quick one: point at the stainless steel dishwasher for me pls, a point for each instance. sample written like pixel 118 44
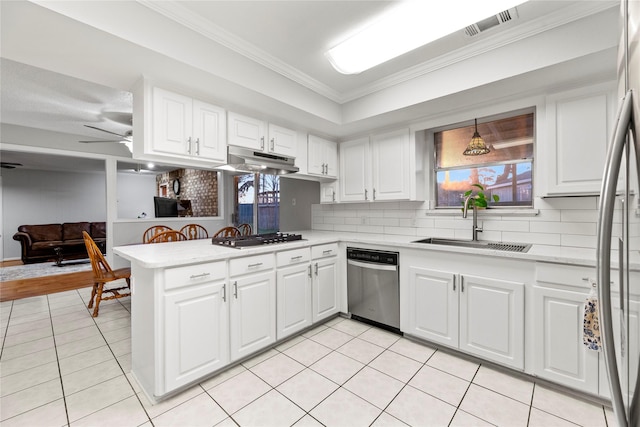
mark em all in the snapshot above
pixel 373 287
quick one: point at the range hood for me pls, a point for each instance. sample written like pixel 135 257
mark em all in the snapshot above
pixel 241 159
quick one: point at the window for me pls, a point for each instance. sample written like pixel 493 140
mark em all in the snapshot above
pixel 507 170
pixel 259 208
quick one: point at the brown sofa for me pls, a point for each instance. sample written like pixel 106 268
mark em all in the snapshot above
pixel 58 241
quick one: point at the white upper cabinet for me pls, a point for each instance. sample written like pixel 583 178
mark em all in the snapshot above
pixel 261 136
pixel 391 161
pixel 322 157
pixel 183 127
pixel 355 170
pixel 380 168
pixel 579 125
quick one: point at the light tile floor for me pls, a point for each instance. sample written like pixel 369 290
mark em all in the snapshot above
pixel 61 367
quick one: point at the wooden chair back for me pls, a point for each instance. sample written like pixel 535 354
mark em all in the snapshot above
pixel 228 232
pixel 103 274
pixel 152 231
pixel 245 229
pixel 194 231
pixel 168 236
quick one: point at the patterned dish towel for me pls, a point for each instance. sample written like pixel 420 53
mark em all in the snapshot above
pixel 591 325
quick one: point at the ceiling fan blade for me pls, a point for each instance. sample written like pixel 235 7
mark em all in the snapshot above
pixel 9 165
pixel 108 140
pixel 107 131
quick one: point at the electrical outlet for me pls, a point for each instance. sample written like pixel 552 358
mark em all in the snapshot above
pixel 293 201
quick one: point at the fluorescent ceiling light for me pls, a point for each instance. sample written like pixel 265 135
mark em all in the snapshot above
pixel 412 24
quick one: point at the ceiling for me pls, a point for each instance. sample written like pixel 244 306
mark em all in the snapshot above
pixel 286 38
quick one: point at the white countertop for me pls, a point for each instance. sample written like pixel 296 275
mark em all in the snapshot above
pixel 162 255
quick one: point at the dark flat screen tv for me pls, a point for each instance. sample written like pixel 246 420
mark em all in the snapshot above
pixel 165 207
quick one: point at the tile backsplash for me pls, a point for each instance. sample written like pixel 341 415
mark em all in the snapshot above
pixel 564 221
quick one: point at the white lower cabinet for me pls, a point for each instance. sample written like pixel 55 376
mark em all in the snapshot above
pixel 190 354
pixel 193 299
pixel 325 281
pixel 492 319
pixel 478 315
pixel 560 355
pixel 433 305
pixel 253 305
pixel 558 313
pixel 293 282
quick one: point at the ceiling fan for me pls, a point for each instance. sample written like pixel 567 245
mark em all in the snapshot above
pixel 9 165
pixel 126 137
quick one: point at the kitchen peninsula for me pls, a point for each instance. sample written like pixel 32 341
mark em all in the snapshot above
pixel 198 308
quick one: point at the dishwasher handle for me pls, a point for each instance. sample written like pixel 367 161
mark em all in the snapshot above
pixel 372 266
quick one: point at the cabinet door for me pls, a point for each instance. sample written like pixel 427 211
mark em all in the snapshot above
pixel 246 132
pixel 293 299
pixel 209 132
pixel 253 313
pixel 577 119
pixel 433 306
pixel 492 319
pixel 322 157
pixel 355 170
pixel 331 159
pixel 560 355
pixel 325 288
pixel 172 122
pixel 196 340
pixel 391 165
pixel 283 141
pixel 328 192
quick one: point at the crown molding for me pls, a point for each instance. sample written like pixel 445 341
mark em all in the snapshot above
pixel 178 13
pixel 173 10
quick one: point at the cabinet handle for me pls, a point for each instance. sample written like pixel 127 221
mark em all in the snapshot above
pixel 461 283
pixel 365 194
pixel 374 194
pixel 262 143
pixel 273 144
pixel 295 258
pixel 224 292
pixel 235 289
pixel 316 268
pixel 454 283
pixel 327 252
pixel 189 147
pixel 197 146
pixel 333 196
pixel 257 264
pixel 310 275
pixel 198 276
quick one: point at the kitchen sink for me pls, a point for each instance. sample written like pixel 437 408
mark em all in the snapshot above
pixel 479 244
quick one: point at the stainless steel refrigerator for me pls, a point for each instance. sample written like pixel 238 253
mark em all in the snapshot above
pixel 618 240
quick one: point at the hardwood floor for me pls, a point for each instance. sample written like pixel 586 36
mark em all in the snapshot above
pixel 25 288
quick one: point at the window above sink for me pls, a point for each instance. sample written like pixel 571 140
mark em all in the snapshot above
pixel 506 171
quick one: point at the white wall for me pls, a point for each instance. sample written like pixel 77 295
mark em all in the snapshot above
pixel 135 195
pixel 44 197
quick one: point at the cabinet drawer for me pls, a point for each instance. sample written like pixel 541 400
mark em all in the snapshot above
pixel 251 264
pixel 295 256
pixel 193 274
pixel 322 251
pixel 570 275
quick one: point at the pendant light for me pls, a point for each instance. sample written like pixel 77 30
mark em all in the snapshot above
pixel 476 146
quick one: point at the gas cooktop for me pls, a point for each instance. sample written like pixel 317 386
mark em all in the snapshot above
pixel 256 240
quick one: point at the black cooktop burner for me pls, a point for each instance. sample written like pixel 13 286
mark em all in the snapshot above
pixel 256 239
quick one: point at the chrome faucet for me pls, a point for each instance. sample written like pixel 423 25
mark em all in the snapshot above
pixel 475 230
